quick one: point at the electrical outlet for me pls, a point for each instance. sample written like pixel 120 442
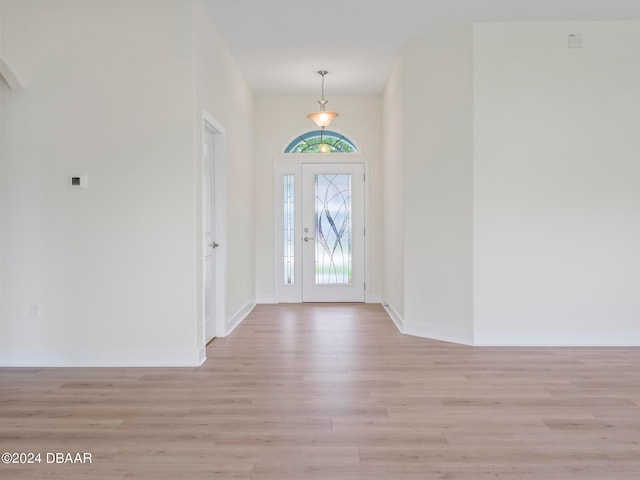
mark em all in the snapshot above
pixel 35 310
pixel 575 40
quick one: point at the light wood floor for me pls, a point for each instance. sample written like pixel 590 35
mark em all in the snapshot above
pixel 335 392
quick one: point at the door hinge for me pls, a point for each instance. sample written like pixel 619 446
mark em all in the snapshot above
pixel 364 232
pixel 364 177
pixel 365 285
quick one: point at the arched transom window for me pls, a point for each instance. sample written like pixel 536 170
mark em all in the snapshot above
pixel 321 141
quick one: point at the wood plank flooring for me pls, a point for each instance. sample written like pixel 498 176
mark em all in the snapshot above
pixel 335 392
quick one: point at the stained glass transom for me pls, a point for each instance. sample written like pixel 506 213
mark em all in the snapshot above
pixel 319 141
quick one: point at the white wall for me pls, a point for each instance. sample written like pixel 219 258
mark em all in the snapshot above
pixel 278 119
pixel 521 206
pixel 3 85
pixel 393 204
pixel 109 92
pixel 222 91
pixel 557 203
pixel 438 170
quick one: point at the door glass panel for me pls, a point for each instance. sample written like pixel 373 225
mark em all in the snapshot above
pixel 288 234
pixel 333 229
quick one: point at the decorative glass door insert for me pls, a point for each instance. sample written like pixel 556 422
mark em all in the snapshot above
pixel 332 232
pixel 288 229
pixel 333 229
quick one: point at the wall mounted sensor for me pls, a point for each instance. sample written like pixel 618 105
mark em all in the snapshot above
pixel 78 181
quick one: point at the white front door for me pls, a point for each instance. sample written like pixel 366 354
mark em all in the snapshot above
pixel 209 240
pixel 332 237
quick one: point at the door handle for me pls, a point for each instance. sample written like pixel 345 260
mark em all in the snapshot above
pixel 215 245
pixel 306 239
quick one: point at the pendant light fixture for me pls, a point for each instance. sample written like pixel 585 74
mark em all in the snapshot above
pixel 322 118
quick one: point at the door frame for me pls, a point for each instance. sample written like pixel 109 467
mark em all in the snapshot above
pixel 220 222
pixel 291 163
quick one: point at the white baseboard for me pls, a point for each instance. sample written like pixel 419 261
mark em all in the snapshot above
pixel 395 316
pixel 437 332
pixel 265 299
pixel 202 354
pixel 237 319
pixel 101 358
pixel 372 298
pixel 557 339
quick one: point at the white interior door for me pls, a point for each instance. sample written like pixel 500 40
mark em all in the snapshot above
pixel 333 232
pixel 209 241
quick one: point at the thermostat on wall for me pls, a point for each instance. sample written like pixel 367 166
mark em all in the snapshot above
pixel 78 181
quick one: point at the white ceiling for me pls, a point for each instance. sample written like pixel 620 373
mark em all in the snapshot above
pixel 280 44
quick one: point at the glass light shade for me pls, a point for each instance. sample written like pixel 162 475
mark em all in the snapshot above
pixel 322 119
